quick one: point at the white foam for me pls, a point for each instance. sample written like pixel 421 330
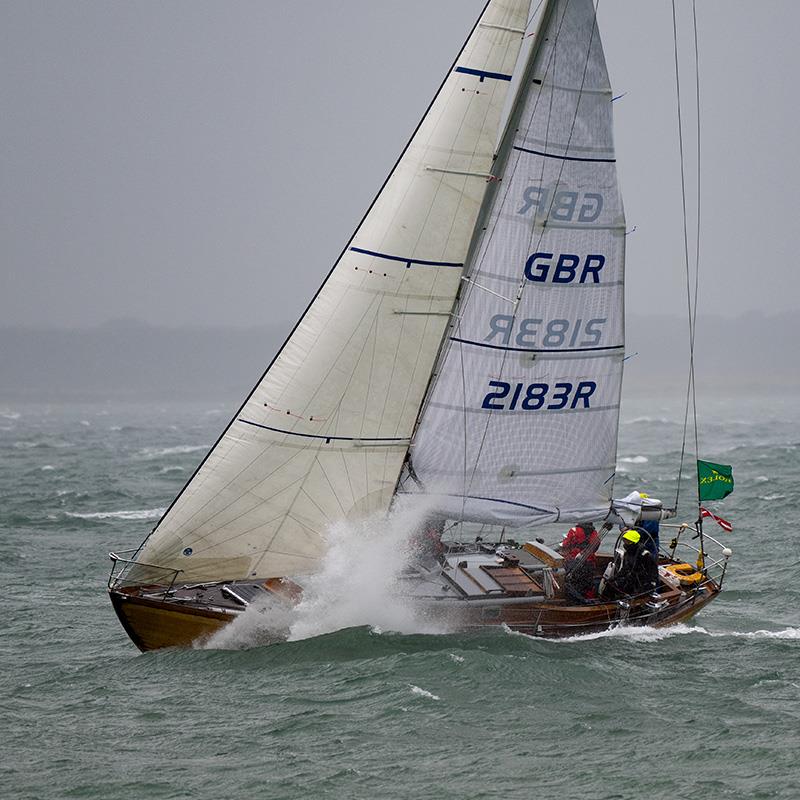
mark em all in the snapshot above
pixel 47 468
pixel 5 414
pixel 760 479
pixel 786 633
pixel 635 633
pixel 357 585
pixel 423 693
pixel 770 497
pixel 358 581
pixel 158 452
pixel 151 513
pixel 634 460
pixel 629 632
pixel 645 634
pixel 265 621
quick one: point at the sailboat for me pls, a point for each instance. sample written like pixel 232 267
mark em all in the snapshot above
pixel 465 350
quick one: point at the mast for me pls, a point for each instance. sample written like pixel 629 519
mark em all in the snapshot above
pixel 323 434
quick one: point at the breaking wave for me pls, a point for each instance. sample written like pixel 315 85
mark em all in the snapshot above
pixel 150 513
pixel 786 633
pixel 359 580
pixel 636 633
pixel 264 622
pixel 159 452
pixel 357 585
pixel 423 692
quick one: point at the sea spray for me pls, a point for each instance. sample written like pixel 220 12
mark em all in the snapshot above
pixel 358 584
pixel 266 621
pixel 359 580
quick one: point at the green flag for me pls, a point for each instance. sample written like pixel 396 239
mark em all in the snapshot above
pixel 714 481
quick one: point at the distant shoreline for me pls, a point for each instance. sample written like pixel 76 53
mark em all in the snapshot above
pixel 132 361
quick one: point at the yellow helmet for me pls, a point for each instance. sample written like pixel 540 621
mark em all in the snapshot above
pixel 632 536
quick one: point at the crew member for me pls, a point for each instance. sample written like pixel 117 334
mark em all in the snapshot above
pixel 581 538
pixel 578 548
pixel 634 570
pixel 427 544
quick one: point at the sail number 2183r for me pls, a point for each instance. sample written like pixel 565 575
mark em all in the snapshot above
pixel 536 396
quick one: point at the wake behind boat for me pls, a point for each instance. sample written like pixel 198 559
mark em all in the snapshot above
pixel 465 350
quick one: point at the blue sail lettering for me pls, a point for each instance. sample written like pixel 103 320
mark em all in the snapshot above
pixel 581 207
pixel 538 396
pixel 567 268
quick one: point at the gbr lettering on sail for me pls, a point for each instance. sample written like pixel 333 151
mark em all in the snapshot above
pixel 554 268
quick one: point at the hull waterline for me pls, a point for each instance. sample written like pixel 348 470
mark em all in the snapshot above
pixel 153 623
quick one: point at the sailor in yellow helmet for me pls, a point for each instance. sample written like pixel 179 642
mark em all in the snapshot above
pixel 634 570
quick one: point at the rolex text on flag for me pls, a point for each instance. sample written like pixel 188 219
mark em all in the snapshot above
pixel 714 481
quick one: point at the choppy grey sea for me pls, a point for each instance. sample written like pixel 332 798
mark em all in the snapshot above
pixel 707 709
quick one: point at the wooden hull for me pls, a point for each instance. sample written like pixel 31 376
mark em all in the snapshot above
pixel 559 620
pixel 155 623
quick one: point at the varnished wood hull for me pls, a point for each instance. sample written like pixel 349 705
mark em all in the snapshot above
pixel 153 624
pixel 559 620
pixel 156 623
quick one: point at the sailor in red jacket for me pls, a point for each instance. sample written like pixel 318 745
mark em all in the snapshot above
pixel 578 539
pixel 578 548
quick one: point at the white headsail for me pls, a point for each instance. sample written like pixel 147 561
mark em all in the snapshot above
pixel 520 426
pixel 325 432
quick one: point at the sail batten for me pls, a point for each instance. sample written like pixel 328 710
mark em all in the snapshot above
pixel 324 433
pixel 525 402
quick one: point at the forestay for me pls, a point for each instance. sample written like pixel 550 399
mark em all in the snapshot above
pixel 520 426
pixel 324 433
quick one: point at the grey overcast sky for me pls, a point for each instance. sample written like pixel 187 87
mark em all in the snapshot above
pixel 195 162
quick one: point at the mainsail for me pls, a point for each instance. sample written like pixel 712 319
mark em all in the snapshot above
pixel 324 433
pixel 520 425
